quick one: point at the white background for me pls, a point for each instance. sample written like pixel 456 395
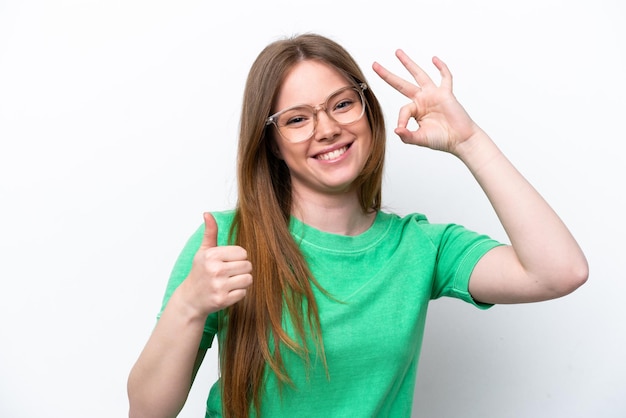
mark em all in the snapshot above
pixel 118 124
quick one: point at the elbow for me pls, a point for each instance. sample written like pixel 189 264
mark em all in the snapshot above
pixel 144 403
pixel 140 405
pixel 571 278
pixel 135 411
pixel 580 275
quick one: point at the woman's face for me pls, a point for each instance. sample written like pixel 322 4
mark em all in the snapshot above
pixel 330 161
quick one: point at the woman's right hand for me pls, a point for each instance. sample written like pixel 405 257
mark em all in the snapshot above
pixel 219 276
pixel 159 383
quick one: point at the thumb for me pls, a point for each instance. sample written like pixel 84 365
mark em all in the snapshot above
pixel 210 232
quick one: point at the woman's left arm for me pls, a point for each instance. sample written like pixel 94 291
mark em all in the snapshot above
pixel 544 261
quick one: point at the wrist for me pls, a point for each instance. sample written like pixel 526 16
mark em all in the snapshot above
pixel 477 151
pixel 183 304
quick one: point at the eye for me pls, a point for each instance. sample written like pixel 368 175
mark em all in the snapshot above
pixel 295 118
pixel 344 104
pixel 344 101
pixel 295 121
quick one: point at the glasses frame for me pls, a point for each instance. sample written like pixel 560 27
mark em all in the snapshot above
pixel 273 119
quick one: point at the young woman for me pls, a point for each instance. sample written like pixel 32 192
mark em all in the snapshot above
pixel 317 297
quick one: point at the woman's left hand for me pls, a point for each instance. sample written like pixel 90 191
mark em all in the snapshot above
pixel 443 123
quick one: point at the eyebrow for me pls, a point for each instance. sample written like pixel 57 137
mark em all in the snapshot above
pixel 317 104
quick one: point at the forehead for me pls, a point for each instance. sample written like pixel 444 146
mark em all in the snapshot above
pixel 309 82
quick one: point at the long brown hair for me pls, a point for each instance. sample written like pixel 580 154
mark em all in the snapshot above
pixel 254 332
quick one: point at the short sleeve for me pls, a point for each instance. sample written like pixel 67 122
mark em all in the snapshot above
pixel 459 251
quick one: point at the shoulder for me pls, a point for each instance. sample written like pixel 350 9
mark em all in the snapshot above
pixel 224 217
pixel 408 222
pixel 417 225
pixel 224 220
pixel 388 216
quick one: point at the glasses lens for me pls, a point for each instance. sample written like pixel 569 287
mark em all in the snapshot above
pixel 297 124
pixel 345 106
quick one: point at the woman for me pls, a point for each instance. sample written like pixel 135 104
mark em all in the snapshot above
pixel 318 297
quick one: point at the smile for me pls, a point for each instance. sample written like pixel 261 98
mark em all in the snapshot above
pixel 332 155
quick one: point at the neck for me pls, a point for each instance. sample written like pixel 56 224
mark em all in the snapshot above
pixel 336 214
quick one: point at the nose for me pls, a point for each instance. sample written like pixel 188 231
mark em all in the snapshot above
pixel 326 128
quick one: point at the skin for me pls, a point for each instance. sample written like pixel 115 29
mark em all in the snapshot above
pixel 160 380
pixel 323 192
pixel 543 261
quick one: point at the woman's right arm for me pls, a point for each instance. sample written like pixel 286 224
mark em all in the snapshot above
pixel 159 382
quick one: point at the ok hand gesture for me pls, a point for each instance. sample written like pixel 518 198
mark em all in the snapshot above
pixel 443 123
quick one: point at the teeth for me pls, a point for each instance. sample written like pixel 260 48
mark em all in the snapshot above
pixel 332 155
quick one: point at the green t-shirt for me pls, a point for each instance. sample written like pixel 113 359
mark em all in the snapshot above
pixel 383 280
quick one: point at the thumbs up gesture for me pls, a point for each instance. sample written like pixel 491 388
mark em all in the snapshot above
pixel 219 276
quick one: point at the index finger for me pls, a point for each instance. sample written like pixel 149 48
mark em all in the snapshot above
pixel 398 83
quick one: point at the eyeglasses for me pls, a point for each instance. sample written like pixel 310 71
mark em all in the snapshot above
pixel 298 123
